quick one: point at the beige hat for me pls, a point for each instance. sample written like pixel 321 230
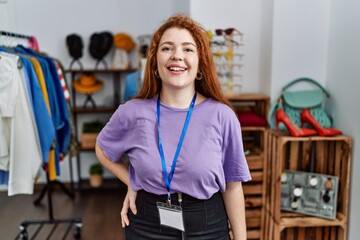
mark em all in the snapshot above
pixel 124 41
pixel 87 84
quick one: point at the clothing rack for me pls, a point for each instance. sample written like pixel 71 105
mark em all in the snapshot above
pixel 14 35
pixel 48 188
pixel 24 235
pixel 11 36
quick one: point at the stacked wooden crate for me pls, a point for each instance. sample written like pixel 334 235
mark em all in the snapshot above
pixel 323 155
pixel 254 140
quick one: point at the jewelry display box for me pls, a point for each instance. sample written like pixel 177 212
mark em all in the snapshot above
pixel 309 193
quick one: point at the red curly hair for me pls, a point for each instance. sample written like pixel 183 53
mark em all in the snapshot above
pixel 208 86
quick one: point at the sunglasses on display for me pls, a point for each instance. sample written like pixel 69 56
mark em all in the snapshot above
pixel 223 43
pixel 218 43
pixel 228 31
pixel 229 65
pixel 228 75
pixel 221 67
pixel 230 84
pixel 228 54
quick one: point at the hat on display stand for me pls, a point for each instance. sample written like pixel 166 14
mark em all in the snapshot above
pixel 88 84
pixel 75 46
pixel 124 44
pixel 100 45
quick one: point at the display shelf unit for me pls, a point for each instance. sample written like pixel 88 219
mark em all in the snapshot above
pixel 255 140
pixel 116 75
pixel 227 51
pixel 322 155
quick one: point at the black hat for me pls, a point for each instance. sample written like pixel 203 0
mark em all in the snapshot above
pixel 75 45
pixel 100 44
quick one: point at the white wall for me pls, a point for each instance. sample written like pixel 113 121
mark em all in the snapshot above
pixel 52 21
pixel 266 36
pixel 182 6
pixel 299 41
pixel 343 81
pixel 7 15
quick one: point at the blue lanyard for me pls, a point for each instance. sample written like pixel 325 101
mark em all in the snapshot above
pixel 169 177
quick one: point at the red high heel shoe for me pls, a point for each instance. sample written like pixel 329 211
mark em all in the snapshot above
pixel 306 116
pixel 294 130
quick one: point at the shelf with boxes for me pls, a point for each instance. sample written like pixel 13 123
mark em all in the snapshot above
pixel 252 109
pixel 84 110
pixel 323 156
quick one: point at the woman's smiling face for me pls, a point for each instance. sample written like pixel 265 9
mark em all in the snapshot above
pixel 177 59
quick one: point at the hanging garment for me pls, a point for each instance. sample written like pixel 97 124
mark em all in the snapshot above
pixel 24 156
pixel 132 85
pixel 4 177
pixel 73 145
pixel 51 163
pixel 42 83
pixel 45 128
pixel 64 126
pixel 43 92
pixel 62 82
pixel 60 113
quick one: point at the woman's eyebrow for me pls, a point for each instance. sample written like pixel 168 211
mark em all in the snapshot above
pixel 188 43
pixel 168 42
pixel 172 43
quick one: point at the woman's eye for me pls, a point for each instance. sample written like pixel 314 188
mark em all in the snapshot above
pixel 165 49
pixel 189 50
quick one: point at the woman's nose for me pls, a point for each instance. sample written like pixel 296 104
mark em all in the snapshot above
pixel 177 55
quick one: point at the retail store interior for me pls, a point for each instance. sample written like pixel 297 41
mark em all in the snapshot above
pixel 270 43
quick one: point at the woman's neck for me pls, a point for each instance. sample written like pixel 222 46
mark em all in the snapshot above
pixel 180 100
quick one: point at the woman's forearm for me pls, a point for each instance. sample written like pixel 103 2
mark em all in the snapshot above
pixel 120 170
pixel 235 208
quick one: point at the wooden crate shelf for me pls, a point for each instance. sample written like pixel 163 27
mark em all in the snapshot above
pixel 257 176
pixel 322 155
pixel 302 221
pixel 254 138
pixel 252 189
pixel 255 162
pixel 253 222
pixel 252 202
pixel 253 234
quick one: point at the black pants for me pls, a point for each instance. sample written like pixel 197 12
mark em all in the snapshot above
pixel 203 219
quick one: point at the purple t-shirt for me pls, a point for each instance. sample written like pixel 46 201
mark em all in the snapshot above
pixel 211 155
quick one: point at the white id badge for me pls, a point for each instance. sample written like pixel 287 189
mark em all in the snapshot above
pixel 171 216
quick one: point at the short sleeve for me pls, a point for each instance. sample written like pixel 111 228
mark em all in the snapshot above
pixel 234 161
pixel 117 135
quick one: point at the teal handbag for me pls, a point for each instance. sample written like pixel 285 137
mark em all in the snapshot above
pixel 293 102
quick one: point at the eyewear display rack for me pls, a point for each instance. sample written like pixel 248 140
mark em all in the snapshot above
pixel 79 109
pixel 322 155
pixel 227 53
pixel 13 39
pixel 254 139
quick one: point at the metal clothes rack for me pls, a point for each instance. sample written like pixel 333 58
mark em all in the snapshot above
pixel 15 35
pixel 23 234
pixel 11 36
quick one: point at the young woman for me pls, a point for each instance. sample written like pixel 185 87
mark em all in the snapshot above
pixel 183 140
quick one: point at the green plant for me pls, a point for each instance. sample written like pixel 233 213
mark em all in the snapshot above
pixel 96 168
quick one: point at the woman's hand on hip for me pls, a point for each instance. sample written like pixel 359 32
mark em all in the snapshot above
pixel 129 202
